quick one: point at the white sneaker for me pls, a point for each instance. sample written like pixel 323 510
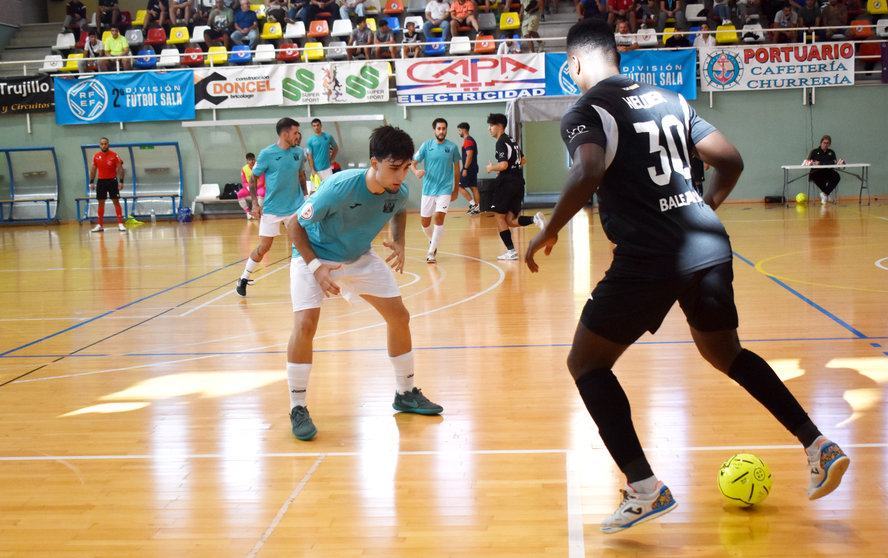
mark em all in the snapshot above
pixel 539 220
pixel 827 466
pixel 250 216
pixel 824 199
pixel 97 228
pixel 637 508
pixel 430 257
pixel 509 255
pixel 121 227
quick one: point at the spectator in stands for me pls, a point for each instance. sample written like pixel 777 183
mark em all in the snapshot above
pixel 705 38
pixel 360 40
pixel 384 39
pixel 92 49
pixel 531 11
pixel 109 168
pixel 749 10
pixel 462 14
pixel 243 195
pixel 315 7
pixel 117 46
pixel 855 10
pixel 720 13
pixel 787 21
pixel 809 14
pixel 220 23
pixel 677 40
pixel 182 12
pixel 437 13
pixel 348 7
pixel 825 179
pixel 246 26
pixel 75 18
pixel 647 12
pixel 833 15
pixel 411 48
pixel 671 9
pixel 275 11
pixel 508 46
pixel 107 13
pixel 322 150
pixel 624 37
pixel 622 9
pixel 296 7
pixel 157 11
pixel 591 8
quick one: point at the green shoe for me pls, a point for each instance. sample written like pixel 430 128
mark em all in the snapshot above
pixel 303 427
pixel 415 402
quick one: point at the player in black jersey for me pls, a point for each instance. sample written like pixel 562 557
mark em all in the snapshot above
pixel 629 143
pixel 508 189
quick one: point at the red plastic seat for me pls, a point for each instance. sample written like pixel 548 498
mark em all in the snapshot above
pixel 289 52
pixel 156 36
pixel 193 57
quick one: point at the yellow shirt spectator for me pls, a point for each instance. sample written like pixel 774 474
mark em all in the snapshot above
pixel 116 46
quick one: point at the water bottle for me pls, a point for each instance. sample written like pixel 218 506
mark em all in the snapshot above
pixel 153 217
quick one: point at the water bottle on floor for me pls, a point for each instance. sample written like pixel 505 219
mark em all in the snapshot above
pixel 153 217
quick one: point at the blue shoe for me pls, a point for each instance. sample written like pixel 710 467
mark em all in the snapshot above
pixel 415 402
pixel 303 427
pixel 637 508
pixel 827 467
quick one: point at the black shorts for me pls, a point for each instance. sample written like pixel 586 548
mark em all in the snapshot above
pixel 216 34
pixel 470 180
pixel 107 188
pixel 508 194
pixel 623 307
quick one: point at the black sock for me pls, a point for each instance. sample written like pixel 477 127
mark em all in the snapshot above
pixel 607 403
pixel 759 379
pixel 524 220
pixel 506 236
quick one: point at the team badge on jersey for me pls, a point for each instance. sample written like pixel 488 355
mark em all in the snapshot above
pixel 307 211
pixel 388 207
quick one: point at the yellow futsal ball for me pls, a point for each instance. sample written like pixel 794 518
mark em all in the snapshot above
pixel 801 197
pixel 744 479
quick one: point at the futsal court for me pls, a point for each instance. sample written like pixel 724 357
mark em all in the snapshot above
pixel 144 404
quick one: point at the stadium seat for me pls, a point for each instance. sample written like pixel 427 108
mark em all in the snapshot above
pixel 877 7
pixel 259 9
pixel 134 37
pixel 882 27
pixel 726 35
pixel 125 20
pixel 52 63
pixel 486 22
pixel 240 54
pixel 179 36
pixel 140 18
pixel 692 13
pixel 145 59
pixel 371 7
pixel 169 57
pixel 485 44
pixel 105 36
pixel 336 50
pixel 394 24
pixel 752 33
pixel 436 47
pixel 72 63
pixel 64 41
pixel 318 29
pixel 460 45
pixel 417 22
pixel 156 36
pixel 371 24
pixel 509 21
pixel 193 57
pixel 393 7
pixel 198 35
pixel 294 30
pixel 207 193
pixel 341 28
pixel 416 6
pixel 313 51
pixel 216 56
pixel 289 52
pixel 271 31
pixel 264 54
pixel 667 33
pixel 81 42
pixel 870 52
pixel 646 38
pixel 860 29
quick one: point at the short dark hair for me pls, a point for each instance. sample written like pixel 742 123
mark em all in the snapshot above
pixel 285 123
pixel 497 118
pixel 92 33
pixel 250 156
pixel 592 33
pixel 318 120
pixel 389 142
pixel 435 122
pixel 463 125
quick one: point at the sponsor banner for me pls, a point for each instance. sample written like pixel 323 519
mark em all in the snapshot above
pixel 675 70
pixel 255 86
pixel 132 97
pixel 335 82
pixel 20 95
pixel 558 80
pixel 470 79
pixel 753 68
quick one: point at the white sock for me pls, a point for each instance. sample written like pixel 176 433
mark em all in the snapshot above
pixel 297 381
pixel 645 486
pixel 403 365
pixel 436 237
pixel 428 231
pixel 814 448
pixel 249 268
pixel 243 203
pixel 261 201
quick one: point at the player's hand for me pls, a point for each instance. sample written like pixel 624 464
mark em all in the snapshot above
pixel 541 240
pixel 256 211
pixel 488 166
pixel 454 195
pixel 92 185
pixel 396 258
pixel 325 280
pixel 420 173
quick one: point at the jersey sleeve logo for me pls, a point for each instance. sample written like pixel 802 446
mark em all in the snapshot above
pixel 574 132
pixel 307 212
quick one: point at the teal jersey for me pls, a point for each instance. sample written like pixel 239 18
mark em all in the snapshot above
pixel 319 146
pixel 283 193
pixel 438 163
pixel 342 217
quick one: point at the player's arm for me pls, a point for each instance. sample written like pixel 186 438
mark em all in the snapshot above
pixel 92 176
pixel 498 167
pixel 256 211
pixel 582 181
pixel 311 163
pixel 399 229
pixel 302 184
pixel 470 156
pixel 455 193
pixel 333 154
pixel 299 238
pixel 726 163
pixel 414 168
pixel 121 174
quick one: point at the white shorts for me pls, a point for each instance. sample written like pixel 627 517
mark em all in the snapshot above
pixel 270 225
pixel 368 275
pixel 326 173
pixel 434 204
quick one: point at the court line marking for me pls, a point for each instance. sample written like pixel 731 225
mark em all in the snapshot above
pixel 576 545
pixel 228 293
pixel 760 267
pixel 281 512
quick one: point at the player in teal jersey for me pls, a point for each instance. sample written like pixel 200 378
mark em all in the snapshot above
pixel 322 150
pixel 440 183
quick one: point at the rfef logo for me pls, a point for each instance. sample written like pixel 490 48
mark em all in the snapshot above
pixel 88 99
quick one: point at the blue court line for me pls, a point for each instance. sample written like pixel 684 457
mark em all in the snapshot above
pixel 810 302
pixel 67 329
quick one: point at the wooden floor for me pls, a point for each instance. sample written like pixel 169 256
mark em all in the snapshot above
pixel 143 406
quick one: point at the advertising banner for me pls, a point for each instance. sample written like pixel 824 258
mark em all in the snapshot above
pixel 335 82
pixel 762 67
pixel 235 87
pixel 675 70
pixel 470 79
pixel 558 80
pixel 21 95
pixel 130 97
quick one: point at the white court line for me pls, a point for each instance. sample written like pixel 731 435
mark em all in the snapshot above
pixel 881 263
pixel 228 293
pixel 576 546
pixel 280 514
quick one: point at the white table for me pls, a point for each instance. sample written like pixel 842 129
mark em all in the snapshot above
pixel 844 168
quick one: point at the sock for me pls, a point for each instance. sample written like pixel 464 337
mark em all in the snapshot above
pixel 297 381
pixel 607 403
pixel 436 237
pixel 524 220
pixel 760 381
pixel 261 200
pixel 645 486
pixel 119 211
pixel 427 231
pixel 243 203
pixel 814 448
pixel 249 268
pixel 100 213
pixel 506 237
pixel 403 366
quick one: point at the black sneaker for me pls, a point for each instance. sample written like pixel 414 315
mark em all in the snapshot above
pixel 241 287
pixel 303 427
pixel 415 402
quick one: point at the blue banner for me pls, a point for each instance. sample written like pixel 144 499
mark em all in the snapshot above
pixel 675 70
pixel 558 80
pixel 133 97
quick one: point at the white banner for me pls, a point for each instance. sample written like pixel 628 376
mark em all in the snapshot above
pixel 234 87
pixel 335 82
pixel 470 79
pixel 751 68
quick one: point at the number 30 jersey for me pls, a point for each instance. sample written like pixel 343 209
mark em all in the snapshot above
pixel 647 204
